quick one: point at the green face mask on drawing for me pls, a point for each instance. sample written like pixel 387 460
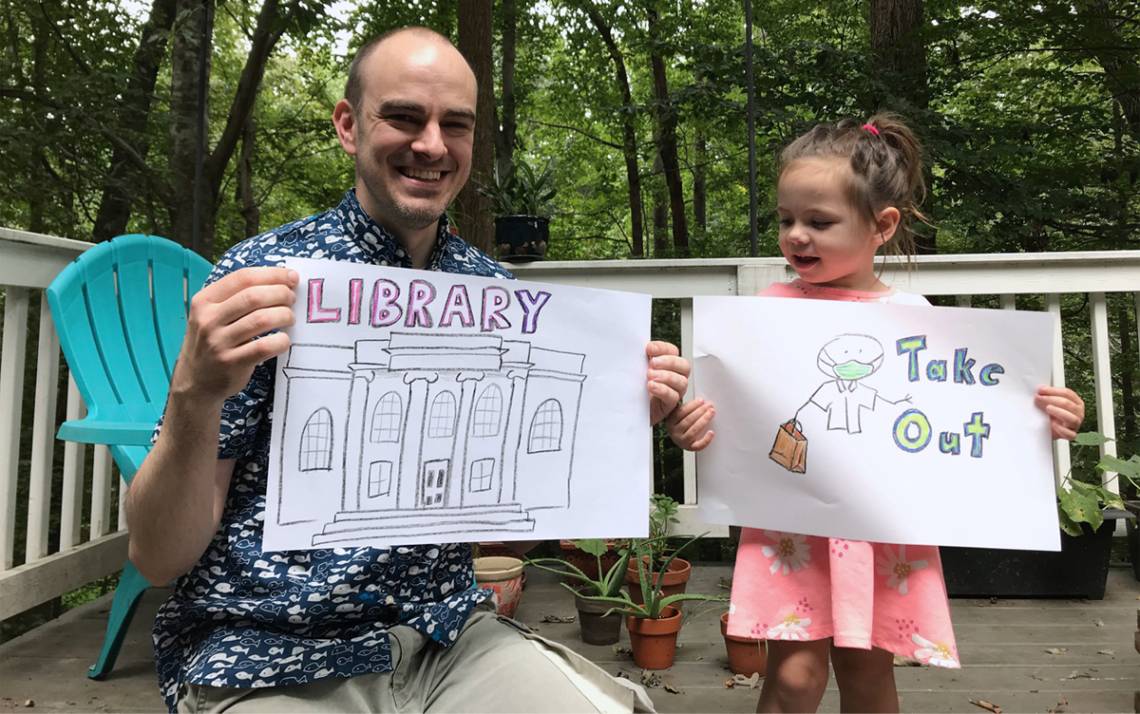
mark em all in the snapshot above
pixel 852 370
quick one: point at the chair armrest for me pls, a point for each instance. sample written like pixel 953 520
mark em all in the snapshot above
pixel 118 433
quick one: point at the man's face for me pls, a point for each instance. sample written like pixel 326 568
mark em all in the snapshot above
pixel 412 133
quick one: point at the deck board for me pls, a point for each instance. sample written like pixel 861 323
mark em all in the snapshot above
pixel 1024 655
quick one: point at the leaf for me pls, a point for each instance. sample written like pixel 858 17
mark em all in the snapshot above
pixel 1115 464
pixel 1068 525
pixel 1082 506
pixel 1056 650
pixel 594 546
pixel 1090 438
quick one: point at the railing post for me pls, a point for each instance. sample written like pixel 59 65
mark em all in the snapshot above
pixel 11 405
pixel 1062 460
pixel 1102 379
pixel 74 458
pixel 43 437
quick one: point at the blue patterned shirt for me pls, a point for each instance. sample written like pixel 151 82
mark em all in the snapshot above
pixel 243 618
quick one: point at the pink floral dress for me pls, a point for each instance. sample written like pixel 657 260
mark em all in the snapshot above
pixel 788 586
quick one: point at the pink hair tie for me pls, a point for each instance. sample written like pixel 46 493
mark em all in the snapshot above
pixel 871 128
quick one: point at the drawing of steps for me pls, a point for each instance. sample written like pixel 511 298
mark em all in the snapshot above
pixel 354 526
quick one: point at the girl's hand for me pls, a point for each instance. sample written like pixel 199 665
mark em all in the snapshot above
pixel 689 424
pixel 1065 408
pixel 667 379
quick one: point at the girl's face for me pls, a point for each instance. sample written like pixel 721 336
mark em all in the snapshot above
pixel 822 235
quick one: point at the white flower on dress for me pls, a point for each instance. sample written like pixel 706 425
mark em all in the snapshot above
pixel 791 552
pixel 931 653
pixel 897 568
pixel 792 627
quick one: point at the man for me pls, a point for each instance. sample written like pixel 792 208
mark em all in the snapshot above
pixel 362 629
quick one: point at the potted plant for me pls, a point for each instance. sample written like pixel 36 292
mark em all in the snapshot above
pixel 503 575
pixel 598 625
pixel 746 655
pixel 521 200
pixel 1087 512
pixel 655 621
pixel 662 515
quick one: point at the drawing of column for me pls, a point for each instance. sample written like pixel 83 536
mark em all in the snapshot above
pixel 513 438
pixel 457 487
pixel 354 438
pixel 408 496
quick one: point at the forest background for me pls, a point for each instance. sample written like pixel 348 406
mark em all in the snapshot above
pixel 1029 111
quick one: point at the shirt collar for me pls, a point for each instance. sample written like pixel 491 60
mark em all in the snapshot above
pixel 378 242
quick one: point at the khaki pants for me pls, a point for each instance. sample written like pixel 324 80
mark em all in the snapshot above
pixel 496 665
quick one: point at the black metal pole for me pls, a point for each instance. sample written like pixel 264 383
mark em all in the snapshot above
pixel 750 112
pixel 200 150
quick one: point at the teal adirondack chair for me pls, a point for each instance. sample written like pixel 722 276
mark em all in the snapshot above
pixel 120 310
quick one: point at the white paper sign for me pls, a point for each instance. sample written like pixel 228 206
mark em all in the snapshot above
pixel 426 407
pixel 887 423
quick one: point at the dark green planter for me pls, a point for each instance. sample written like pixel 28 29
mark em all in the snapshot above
pixel 521 239
pixel 1079 570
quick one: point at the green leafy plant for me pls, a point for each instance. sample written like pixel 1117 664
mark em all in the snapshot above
pixel 521 190
pixel 1083 501
pixel 607 585
pixel 654 601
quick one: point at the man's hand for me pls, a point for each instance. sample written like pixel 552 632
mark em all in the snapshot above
pixel 668 379
pixel 219 351
pixel 689 425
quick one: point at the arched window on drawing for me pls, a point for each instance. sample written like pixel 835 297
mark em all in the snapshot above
pixel 441 422
pixel 546 428
pixel 317 442
pixel 488 412
pixel 386 418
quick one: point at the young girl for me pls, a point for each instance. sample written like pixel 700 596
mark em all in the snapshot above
pixel 845 191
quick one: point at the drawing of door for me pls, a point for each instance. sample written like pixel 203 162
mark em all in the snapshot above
pixel 433 482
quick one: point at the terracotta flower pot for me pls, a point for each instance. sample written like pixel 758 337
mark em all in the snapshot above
pixel 745 655
pixel 503 575
pixel 654 642
pixel 676 578
pixel 597 627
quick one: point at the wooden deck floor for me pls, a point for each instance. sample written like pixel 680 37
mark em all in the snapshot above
pixel 1023 655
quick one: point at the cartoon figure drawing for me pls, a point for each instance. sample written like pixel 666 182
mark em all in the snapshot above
pixel 846 359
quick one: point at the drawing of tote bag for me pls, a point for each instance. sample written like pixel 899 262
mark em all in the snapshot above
pixel 790 447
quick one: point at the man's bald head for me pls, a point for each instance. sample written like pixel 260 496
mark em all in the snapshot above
pixel 353 88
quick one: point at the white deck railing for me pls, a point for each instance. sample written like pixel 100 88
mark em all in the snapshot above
pixel 28 263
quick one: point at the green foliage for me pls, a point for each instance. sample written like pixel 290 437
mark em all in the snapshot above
pixel 521 190
pixel 608 585
pixel 662 515
pixel 654 601
pixel 1083 501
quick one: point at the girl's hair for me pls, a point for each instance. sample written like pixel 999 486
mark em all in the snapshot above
pixel 886 168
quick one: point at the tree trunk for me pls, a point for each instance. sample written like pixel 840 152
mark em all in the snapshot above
pixel 628 129
pixel 700 189
pixel 898 55
pixel 191 30
pixel 475 40
pixel 505 136
pixel 667 140
pixel 271 24
pixel 660 211
pixel 1121 70
pixel 250 211
pixel 121 183
pixel 37 117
